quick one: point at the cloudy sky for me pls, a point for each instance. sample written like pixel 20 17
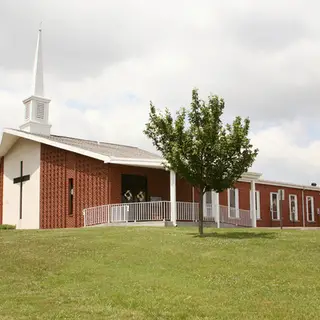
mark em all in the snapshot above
pixel 105 60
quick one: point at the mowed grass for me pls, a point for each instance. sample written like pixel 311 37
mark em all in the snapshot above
pixel 159 273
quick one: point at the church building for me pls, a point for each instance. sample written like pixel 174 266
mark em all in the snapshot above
pixel 52 181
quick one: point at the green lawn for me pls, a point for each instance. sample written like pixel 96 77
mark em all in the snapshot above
pixel 159 273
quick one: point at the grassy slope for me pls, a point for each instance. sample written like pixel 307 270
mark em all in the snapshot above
pixel 159 273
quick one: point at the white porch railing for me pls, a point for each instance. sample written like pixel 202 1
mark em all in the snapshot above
pixel 187 211
pixel 161 211
pixel 96 215
pixel 127 212
pixel 139 211
pixel 209 213
pixel 235 217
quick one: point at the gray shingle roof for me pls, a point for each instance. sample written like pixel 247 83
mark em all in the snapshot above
pixel 103 148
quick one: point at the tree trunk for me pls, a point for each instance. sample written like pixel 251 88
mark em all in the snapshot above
pixel 201 214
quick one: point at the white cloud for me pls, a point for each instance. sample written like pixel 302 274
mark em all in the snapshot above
pixel 286 154
pixel 105 62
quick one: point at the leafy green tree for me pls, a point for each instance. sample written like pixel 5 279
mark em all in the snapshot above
pixel 198 147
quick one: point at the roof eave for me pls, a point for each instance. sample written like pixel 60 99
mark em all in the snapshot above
pixel 149 163
pixel 288 185
pixel 7 141
pixel 250 176
pixel 49 142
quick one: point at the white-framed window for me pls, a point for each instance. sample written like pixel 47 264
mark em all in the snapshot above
pixel 257 194
pixel 274 206
pixel 293 207
pixel 208 196
pixel 310 208
pixel 233 203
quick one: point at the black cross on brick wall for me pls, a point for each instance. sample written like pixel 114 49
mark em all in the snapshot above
pixel 20 180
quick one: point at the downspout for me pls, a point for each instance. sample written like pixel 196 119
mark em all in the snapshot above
pixel 193 203
pixel 108 191
pixel 303 217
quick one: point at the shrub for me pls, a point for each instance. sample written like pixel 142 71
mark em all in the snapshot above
pixel 7 227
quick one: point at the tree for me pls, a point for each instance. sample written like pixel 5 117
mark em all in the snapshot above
pixel 199 148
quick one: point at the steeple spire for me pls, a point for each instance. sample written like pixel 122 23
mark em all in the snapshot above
pixel 37 89
pixel 37 106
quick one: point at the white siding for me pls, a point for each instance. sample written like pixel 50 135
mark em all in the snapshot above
pixel 29 152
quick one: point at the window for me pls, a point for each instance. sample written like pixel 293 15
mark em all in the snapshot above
pixel 70 188
pixel 40 111
pixel 310 209
pixel 27 111
pixel 258 215
pixel 274 206
pixel 293 207
pixel 208 197
pixel 233 203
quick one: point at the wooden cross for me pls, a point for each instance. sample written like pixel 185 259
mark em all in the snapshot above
pixel 20 180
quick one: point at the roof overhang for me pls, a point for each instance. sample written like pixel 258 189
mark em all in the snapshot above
pixel 148 163
pixel 10 136
pixel 7 141
pixel 280 184
pixel 250 176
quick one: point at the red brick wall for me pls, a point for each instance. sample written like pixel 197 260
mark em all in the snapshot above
pixel 266 220
pixel 95 183
pixel 265 190
pixel 158 183
pixel 316 198
pixel 90 186
pixel 244 195
pixel 1 189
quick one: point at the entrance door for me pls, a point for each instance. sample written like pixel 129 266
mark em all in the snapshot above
pixel 134 189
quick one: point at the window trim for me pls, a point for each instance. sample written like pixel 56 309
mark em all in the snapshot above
pixel 70 196
pixel 296 218
pixel 278 206
pixel 313 213
pixel 236 200
pixel 258 207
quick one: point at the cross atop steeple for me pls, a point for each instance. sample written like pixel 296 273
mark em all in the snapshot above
pixel 37 106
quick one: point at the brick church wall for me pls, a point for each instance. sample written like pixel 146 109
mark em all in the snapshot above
pixel 244 195
pixel 90 179
pixel 265 190
pixel 95 183
pixel 1 189
pixel 266 220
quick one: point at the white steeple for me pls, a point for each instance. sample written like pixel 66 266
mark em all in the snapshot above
pixel 37 88
pixel 37 106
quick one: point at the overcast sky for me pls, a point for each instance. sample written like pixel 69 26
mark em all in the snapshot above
pixel 105 60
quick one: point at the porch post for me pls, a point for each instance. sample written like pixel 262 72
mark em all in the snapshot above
pixel 204 204
pixel 253 204
pixel 215 206
pixel 173 199
pixel 213 202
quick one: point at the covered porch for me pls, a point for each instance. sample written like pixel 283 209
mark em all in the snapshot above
pixel 136 207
